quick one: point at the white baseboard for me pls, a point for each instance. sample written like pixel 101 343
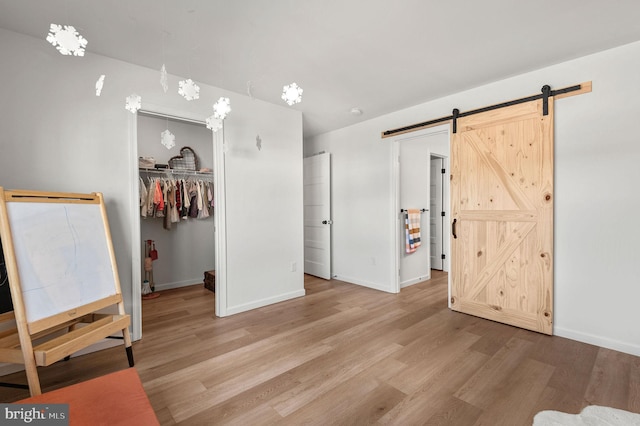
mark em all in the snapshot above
pixel 231 310
pixel 601 341
pixel 413 281
pixel 363 283
pixel 178 284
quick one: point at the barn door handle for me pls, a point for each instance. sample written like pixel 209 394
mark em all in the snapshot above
pixel 453 228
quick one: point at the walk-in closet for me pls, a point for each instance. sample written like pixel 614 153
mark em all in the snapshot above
pixel 177 203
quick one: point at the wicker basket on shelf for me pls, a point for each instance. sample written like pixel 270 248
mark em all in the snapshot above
pixel 187 160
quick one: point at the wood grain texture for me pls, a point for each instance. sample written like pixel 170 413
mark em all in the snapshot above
pixel 348 355
pixel 502 200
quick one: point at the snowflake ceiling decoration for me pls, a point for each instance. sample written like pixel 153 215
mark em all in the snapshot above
pixel 292 94
pixel 99 85
pixel 164 80
pixel 67 40
pixel 259 142
pixel 214 124
pixel 167 139
pixel 221 108
pixel 188 89
pixel 134 103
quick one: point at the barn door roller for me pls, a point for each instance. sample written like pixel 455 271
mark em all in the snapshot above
pixel 546 92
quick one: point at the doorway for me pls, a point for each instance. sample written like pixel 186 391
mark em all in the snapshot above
pixel 185 127
pixel 182 233
pixel 412 171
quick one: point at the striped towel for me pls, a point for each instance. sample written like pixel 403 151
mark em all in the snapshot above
pixel 412 229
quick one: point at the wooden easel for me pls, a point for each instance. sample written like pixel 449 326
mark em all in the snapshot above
pixel 62 276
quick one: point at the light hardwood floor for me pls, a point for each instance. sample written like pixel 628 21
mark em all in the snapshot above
pixel 347 355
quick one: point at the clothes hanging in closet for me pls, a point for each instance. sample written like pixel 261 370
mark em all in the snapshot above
pixel 175 200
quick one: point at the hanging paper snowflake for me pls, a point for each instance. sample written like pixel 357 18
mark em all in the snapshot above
pixel 99 85
pixel 67 40
pixel 188 89
pixel 134 103
pixel 292 94
pixel 214 124
pixel 250 89
pixel 259 142
pixel 167 139
pixel 163 79
pixel 221 108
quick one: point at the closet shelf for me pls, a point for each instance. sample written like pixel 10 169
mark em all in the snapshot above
pixel 165 172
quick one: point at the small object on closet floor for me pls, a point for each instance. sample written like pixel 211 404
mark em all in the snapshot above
pixel 151 296
pixel 148 286
pixel 210 280
pixel 161 166
pixel 147 293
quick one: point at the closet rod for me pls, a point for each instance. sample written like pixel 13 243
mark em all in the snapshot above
pixel 176 172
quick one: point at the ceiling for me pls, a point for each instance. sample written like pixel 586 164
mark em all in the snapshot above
pixel 377 55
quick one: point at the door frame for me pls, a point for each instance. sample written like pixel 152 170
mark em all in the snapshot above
pixel 446 207
pixel 134 213
pixel 395 197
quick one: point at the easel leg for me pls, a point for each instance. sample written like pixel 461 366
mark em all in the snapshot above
pixel 32 375
pixel 130 355
pixel 127 344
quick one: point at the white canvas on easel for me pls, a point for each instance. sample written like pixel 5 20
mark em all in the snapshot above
pixel 62 254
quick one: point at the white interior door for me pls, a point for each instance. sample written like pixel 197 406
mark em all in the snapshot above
pixel 436 217
pixel 317 215
pixel 414 159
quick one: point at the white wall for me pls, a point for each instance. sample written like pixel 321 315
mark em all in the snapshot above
pixel 264 207
pixel 58 136
pixel 596 192
pixel 186 250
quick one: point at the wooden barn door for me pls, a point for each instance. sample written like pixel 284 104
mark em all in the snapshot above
pixel 502 213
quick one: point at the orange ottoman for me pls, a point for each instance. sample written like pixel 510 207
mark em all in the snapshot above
pixel 115 399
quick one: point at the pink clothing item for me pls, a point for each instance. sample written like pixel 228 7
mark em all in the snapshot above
pixel 158 197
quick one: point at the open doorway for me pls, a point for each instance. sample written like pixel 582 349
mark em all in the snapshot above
pixel 177 229
pixel 188 246
pixel 413 154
